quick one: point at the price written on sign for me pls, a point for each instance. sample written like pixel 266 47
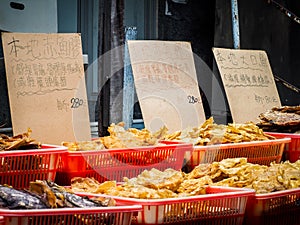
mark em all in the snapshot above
pixel 74 103
pixel 193 99
pixel 166 84
pixel 248 82
pixel 265 99
pixel 46 79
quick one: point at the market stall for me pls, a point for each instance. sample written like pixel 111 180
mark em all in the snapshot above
pixel 182 168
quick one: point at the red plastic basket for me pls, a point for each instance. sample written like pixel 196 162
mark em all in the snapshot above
pixel 221 205
pixel 277 208
pixel 115 164
pixel 260 152
pixel 19 167
pixel 2 221
pixel 116 215
pixel 292 149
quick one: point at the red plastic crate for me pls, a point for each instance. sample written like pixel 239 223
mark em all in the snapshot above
pixel 116 215
pixel 277 208
pixel 115 164
pixel 19 167
pixel 260 152
pixel 221 205
pixel 292 149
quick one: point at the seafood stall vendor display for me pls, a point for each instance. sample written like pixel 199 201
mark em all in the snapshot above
pixel 215 142
pixel 176 196
pixel 19 142
pixel 284 119
pixel 44 194
pixel 283 122
pixel 168 197
pixel 23 159
pixel 48 203
pixel 122 153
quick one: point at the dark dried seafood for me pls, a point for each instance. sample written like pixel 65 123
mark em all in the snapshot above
pixel 44 194
pixel 280 119
pixel 57 196
pixel 19 199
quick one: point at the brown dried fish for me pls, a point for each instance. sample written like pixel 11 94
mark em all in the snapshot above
pixel 18 142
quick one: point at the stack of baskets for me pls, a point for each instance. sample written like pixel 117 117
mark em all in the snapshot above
pixel 221 205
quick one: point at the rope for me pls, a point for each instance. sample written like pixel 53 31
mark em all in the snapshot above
pixel 285 11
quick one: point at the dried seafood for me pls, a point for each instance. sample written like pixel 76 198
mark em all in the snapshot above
pixel 210 133
pixel 237 172
pixel 119 138
pixel 44 194
pixel 18 142
pixel 281 119
pixel 232 172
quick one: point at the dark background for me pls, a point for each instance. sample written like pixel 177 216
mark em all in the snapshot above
pixel 208 24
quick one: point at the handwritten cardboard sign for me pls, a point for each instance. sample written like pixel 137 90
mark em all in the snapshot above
pixel 46 86
pixel 166 84
pixel 248 82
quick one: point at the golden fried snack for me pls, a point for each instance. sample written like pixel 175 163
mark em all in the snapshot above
pixel 153 184
pixel 201 170
pixel 110 142
pixel 91 185
pixel 231 172
pixel 119 138
pixel 169 179
pixel 129 190
pixel 141 192
pixel 210 133
pixel 237 172
pixel 18 142
pixel 191 187
pixel 84 145
pixel 131 137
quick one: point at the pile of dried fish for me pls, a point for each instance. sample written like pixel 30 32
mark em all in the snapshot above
pixel 170 183
pixel 119 138
pixel 18 142
pixel 210 133
pixel 47 194
pixel 280 119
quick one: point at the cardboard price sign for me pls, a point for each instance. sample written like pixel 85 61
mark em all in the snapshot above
pixel 248 82
pixel 166 84
pixel 46 86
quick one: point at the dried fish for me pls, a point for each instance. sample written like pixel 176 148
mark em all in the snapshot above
pixel 18 142
pixel 57 196
pixel 46 194
pixel 18 199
